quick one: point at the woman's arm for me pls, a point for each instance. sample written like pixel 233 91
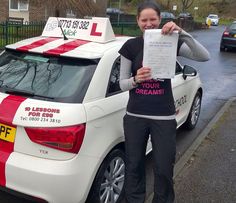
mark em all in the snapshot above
pixel 126 81
pixel 191 48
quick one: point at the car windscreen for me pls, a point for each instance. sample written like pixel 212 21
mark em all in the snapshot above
pixel 213 17
pixel 58 79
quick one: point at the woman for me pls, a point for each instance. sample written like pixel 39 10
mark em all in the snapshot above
pixel 152 115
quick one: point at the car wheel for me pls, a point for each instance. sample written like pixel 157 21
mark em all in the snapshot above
pixel 194 113
pixel 222 48
pixel 108 185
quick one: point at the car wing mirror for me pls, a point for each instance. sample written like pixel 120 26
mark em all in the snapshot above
pixel 189 71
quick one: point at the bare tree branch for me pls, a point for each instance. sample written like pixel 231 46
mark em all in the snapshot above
pixel 186 4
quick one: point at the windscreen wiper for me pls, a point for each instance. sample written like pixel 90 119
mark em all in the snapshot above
pixel 14 91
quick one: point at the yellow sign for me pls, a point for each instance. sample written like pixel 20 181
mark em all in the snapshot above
pixel 7 133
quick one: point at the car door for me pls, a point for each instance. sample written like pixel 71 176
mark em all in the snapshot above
pixel 182 94
pixel 115 97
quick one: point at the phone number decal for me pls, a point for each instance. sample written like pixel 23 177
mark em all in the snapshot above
pixel 74 24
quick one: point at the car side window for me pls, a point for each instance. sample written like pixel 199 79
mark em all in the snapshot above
pixel 113 85
pixel 178 69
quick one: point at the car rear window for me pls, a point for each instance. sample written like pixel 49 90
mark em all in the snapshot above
pixel 233 26
pixel 58 79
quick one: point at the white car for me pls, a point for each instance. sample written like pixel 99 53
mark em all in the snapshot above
pixel 61 112
pixel 213 18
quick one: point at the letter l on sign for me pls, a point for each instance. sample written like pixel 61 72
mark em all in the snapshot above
pixel 94 32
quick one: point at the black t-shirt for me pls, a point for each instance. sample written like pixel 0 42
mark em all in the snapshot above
pixel 152 97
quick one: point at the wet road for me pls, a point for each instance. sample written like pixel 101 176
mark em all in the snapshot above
pixel 218 77
pixel 219 82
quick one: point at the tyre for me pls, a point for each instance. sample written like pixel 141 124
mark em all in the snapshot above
pixel 194 112
pixel 222 49
pixel 108 185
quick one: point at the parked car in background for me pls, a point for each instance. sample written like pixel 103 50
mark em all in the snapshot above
pixel 186 16
pixel 228 39
pixel 213 18
pixel 114 11
pixel 166 17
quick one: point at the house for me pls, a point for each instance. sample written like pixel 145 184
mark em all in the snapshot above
pixel 30 11
pixel 4 10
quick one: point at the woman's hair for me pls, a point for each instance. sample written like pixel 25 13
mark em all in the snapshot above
pixel 148 4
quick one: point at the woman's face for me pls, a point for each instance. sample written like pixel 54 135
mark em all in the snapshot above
pixel 148 19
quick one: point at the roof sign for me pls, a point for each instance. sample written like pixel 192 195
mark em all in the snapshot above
pixel 97 29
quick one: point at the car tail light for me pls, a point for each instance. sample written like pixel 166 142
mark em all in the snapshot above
pixel 67 139
pixel 226 33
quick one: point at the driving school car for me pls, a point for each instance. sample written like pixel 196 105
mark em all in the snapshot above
pixel 61 111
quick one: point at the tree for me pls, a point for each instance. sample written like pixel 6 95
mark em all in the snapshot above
pixel 82 7
pixel 136 2
pixel 186 4
pixel 168 4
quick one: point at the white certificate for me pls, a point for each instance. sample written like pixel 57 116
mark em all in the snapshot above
pixel 160 53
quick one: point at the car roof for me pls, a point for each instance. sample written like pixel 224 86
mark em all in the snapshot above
pixel 91 43
pixel 166 13
pixel 184 13
pixel 163 12
pixel 69 48
pixel 213 15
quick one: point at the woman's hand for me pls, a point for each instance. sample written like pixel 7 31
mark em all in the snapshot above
pixel 169 27
pixel 143 74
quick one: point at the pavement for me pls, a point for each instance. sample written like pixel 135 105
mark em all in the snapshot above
pixel 206 173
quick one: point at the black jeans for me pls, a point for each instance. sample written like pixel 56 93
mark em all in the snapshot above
pixel 163 138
